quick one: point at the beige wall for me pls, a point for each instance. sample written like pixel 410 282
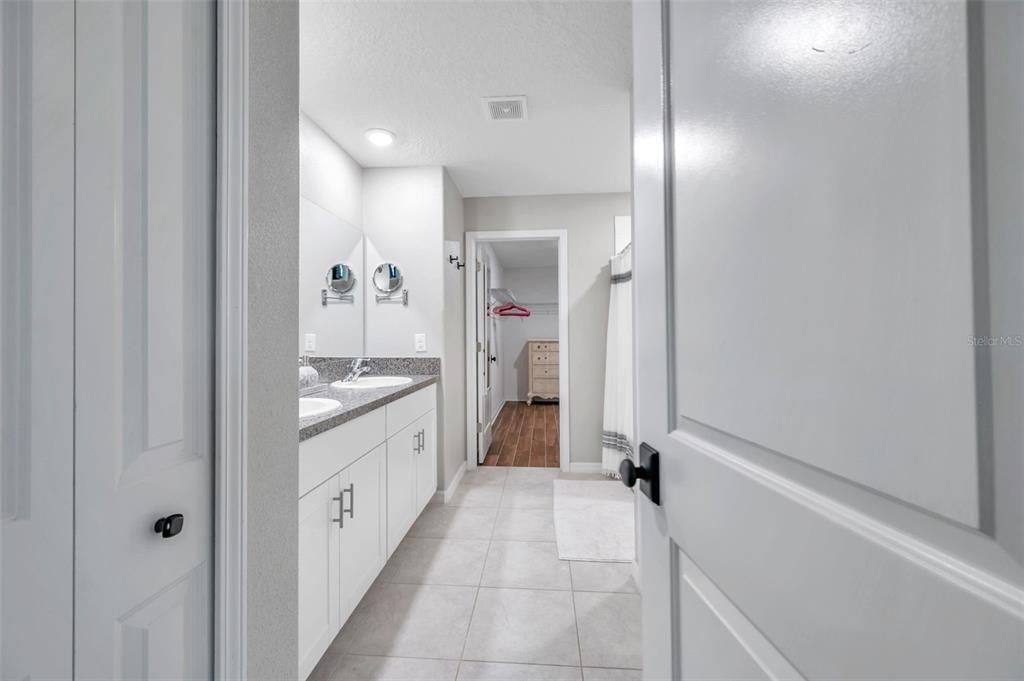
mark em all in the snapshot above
pixel 589 219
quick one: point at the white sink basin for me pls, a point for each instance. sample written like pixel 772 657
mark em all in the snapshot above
pixel 370 382
pixel 314 406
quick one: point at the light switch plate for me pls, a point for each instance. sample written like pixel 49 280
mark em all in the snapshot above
pixel 311 342
pixel 421 342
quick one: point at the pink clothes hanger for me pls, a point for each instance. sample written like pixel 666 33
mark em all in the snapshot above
pixel 511 310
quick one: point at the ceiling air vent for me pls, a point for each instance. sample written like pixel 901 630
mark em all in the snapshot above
pixel 512 108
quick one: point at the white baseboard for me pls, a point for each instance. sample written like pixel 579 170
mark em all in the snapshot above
pixel 449 491
pixel 497 413
pixel 585 467
pixel 636 575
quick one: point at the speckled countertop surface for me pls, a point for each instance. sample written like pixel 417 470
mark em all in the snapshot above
pixel 354 403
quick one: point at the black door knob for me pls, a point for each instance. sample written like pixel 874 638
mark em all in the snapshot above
pixel 630 472
pixel 646 472
pixel 169 526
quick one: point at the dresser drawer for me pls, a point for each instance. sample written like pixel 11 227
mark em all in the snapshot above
pixel 544 371
pixel 543 357
pixel 543 346
pixel 544 387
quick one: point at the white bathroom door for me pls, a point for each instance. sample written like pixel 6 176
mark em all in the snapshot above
pixel 815 285
pixel 483 358
pixel 144 302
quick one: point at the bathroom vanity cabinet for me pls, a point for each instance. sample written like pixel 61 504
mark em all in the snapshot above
pixel 361 486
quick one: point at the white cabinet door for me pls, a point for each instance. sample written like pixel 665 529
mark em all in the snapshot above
pixel 364 530
pixel 401 483
pixel 426 459
pixel 319 580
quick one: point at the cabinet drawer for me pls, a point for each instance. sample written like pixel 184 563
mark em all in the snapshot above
pixel 543 357
pixel 543 346
pixel 545 371
pixel 322 456
pixel 401 413
pixel 544 386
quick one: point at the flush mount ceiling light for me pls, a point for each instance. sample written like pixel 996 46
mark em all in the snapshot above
pixel 379 137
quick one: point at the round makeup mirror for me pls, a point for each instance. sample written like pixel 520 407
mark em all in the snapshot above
pixel 387 278
pixel 340 278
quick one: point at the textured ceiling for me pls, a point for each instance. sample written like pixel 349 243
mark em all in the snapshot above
pixel 420 68
pixel 512 254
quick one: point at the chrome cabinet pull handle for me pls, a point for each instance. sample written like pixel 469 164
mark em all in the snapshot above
pixel 341 510
pixel 351 501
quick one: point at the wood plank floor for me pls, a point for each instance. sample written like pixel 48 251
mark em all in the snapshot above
pixel 525 436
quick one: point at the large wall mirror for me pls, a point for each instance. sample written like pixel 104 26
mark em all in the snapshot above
pixel 331 264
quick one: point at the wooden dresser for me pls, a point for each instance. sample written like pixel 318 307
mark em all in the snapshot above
pixel 543 370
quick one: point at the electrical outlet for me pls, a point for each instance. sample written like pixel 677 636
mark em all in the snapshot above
pixel 421 342
pixel 311 342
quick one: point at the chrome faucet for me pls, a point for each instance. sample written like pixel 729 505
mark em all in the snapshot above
pixel 357 370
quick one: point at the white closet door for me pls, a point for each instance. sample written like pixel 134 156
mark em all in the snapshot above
pixel 144 293
pixel 37 62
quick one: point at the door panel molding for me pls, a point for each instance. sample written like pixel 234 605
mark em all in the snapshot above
pixel 760 651
pixel 861 511
pixel 927 618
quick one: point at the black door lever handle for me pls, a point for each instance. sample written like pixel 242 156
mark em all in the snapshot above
pixel 170 526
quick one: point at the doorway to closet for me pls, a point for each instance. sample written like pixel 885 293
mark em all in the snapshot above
pixel 516 336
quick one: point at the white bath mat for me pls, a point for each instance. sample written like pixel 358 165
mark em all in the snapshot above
pixel 594 521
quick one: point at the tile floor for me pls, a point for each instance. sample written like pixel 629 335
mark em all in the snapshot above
pixel 476 592
pixel 525 435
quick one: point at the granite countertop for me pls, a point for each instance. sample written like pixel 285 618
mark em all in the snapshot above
pixel 354 403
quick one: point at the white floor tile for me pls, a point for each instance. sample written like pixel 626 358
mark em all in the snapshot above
pixel 611 577
pixel 525 565
pixel 479 495
pixel 455 522
pixel 609 626
pixel 422 560
pixel 524 524
pixel 599 674
pixel 518 474
pixel 373 668
pixel 522 625
pixel 407 620
pixel 504 671
pixel 528 494
pixel 485 475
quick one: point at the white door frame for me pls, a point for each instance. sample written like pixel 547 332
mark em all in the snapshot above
pixel 561 236
pixel 231 367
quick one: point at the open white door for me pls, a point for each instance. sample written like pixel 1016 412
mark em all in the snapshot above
pixel 144 291
pixel 816 278
pixel 483 358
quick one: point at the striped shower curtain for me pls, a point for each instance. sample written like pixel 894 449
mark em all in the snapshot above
pixel 617 439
